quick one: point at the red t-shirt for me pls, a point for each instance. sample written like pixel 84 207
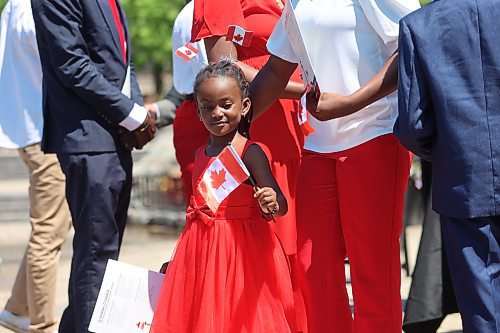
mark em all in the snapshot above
pixel 278 127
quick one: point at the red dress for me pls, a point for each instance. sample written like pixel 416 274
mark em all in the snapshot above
pixel 189 134
pixel 229 272
pixel 278 127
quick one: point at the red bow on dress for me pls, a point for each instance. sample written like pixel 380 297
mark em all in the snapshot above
pixel 203 213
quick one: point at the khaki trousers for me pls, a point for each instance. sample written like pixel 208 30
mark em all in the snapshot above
pixel 33 293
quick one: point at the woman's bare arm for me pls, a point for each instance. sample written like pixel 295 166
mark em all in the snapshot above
pixel 333 105
pixel 270 83
pixel 218 47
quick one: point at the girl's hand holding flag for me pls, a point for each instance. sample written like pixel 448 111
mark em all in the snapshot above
pixel 267 198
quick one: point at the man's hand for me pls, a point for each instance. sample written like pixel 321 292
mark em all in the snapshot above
pixel 150 108
pixel 139 137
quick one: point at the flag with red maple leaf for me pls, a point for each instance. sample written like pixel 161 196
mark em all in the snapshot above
pixel 224 174
pixel 239 35
pixel 187 52
pixel 218 178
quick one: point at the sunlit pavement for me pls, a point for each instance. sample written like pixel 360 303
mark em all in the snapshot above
pixel 143 246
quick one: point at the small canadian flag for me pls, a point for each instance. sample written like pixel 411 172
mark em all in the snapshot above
pixel 187 52
pixel 222 176
pixel 303 116
pixel 239 35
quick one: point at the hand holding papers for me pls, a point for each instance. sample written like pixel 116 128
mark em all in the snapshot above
pixel 126 300
pixel 299 48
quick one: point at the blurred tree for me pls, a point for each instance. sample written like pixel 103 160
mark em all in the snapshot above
pixel 151 24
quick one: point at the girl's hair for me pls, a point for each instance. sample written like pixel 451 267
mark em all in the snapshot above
pixel 227 68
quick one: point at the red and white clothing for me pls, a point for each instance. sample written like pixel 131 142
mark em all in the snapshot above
pixel 348 42
pixel 189 131
pixel 354 171
pixel 229 273
pixel 278 127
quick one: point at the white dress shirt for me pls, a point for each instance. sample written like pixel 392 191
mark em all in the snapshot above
pixel 348 42
pixel 21 119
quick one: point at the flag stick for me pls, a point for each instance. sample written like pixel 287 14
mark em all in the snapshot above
pixel 255 189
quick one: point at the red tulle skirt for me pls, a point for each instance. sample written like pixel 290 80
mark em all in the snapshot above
pixel 230 276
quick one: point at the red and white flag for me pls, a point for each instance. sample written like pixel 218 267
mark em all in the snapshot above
pixel 239 35
pixel 223 175
pixel 304 115
pixel 187 52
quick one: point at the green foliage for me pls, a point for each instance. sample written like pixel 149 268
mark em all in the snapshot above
pixel 424 2
pixel 150 23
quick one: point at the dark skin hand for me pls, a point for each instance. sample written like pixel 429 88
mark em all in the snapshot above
pixel 218 47
pixel 266 87
pixel 139 137
pixel 333 105
pixel 268 192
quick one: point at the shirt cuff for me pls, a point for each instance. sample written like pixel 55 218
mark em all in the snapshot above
pixel 135 118
pixel 157 110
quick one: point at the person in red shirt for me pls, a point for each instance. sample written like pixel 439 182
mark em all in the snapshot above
pixel 277 128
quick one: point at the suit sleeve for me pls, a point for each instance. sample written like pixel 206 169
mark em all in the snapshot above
pixel 58 24
pixel 136 94
pixel 415 124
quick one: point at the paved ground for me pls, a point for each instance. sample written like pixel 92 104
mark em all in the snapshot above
pixel 142 246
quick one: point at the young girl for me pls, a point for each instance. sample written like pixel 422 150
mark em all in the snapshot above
pixel 229 272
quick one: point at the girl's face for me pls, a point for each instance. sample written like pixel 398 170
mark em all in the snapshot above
pixel 220 105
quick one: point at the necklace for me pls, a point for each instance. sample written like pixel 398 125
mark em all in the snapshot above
pixel 280 4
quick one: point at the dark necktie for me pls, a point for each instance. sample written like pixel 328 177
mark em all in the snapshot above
pixel 119 26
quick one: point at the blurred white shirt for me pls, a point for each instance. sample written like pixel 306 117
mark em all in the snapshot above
pixel 348 42
pixel 21 119
pixel 185 72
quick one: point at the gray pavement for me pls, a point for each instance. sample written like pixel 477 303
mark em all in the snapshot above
pixel 145 246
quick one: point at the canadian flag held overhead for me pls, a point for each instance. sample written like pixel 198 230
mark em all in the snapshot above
pixel 239 35
pixel 187 52
pixel 226 172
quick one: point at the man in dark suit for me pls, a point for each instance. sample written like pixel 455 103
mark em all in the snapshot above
pixel 449 113
pixel 94 116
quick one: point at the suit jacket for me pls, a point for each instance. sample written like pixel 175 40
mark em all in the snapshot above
pixel 449 101
pixel 83 74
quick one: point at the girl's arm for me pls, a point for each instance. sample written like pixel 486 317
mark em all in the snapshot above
pixel 270 82
pixel 269 194
pixel 218 47
pixel 332 105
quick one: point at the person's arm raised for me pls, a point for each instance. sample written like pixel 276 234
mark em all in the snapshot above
pixel 218 47
pixel 269 84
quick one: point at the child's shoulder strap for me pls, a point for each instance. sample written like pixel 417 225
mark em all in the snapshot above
pixel 200 149
pixel 249 143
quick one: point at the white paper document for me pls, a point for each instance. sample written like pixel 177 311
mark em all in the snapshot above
pixel 126 300
pixel 299 48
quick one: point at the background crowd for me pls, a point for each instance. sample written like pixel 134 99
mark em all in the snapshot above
pixel 343 183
